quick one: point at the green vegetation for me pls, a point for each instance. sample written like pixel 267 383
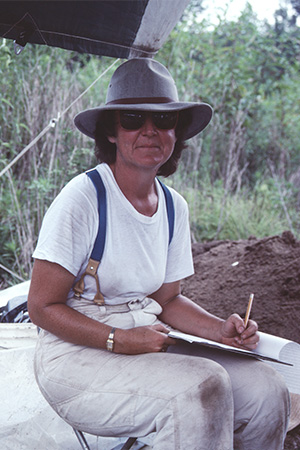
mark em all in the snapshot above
pixel 240 177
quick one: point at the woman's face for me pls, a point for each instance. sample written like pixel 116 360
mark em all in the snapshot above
pixel 147 146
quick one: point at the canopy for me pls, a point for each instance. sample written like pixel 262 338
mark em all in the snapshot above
pixel 120 29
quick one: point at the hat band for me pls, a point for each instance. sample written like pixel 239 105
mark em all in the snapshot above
pixel 140 100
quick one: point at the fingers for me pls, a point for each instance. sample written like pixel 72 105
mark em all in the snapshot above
pixel 239 326
pixel 160 327
pixel 152 338
pixel 238 323
pixel 250 331
pixel 248 344
pixel 249 338
pixel 251 328
pixel 236 334
pixel 167 340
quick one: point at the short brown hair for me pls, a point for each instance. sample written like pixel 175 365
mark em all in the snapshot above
pixel 105 151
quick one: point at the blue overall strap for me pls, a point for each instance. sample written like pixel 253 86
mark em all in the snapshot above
pixel 102 206
pixel 170 209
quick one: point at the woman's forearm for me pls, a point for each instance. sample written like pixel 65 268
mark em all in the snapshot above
pixel 183 314
pixel 70 325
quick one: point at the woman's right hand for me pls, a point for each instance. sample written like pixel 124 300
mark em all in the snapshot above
pixel 147 339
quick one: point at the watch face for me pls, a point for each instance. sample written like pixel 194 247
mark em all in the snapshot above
pixel 110 340
pixel 110 345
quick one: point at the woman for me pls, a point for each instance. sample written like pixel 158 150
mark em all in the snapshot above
pixel 103 367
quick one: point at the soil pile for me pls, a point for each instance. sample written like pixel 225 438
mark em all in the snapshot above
pixel 226 272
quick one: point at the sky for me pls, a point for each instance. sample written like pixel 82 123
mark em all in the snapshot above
pixel 263 8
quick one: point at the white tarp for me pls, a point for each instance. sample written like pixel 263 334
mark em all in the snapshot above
pixel 27 422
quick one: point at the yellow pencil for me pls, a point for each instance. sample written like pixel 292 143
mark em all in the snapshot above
pixel 248 310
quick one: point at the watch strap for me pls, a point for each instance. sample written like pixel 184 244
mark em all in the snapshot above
pixel 110 341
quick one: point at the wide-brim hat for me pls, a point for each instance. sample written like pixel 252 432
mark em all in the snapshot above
pixel 144 84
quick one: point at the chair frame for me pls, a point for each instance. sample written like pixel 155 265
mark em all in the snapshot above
pixel 85 446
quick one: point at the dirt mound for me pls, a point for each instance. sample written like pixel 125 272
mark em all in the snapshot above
pixel 226 272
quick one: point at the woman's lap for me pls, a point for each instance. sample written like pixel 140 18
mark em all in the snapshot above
pixel 108 394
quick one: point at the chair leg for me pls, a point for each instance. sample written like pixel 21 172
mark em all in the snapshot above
pixel 85 446
pixel 128 444
pixel 81 439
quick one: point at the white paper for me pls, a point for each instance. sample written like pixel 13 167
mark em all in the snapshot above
pixel 282 354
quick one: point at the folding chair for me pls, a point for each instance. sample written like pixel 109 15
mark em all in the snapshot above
pixel 131 442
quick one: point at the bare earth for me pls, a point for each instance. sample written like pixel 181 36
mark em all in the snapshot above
pixel 270 268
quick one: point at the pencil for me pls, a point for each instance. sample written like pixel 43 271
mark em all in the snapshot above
pixel 248 310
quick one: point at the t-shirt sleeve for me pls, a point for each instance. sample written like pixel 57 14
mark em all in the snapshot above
pixel 70 226
pixel 180 260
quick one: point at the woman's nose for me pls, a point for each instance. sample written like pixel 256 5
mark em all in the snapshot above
pixel 149 127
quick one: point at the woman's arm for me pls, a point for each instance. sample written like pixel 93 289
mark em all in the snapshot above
pixel 50 284
pixel 183 314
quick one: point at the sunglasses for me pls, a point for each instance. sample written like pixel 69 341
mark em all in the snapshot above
pixel 133 120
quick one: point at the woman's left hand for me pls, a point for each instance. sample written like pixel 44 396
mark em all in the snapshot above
pixel 233 332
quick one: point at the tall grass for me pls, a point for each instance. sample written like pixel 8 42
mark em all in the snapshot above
pixel 37 87
pixel 216 215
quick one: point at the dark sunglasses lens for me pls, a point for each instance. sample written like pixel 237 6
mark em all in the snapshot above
pixel 165 120
pixel 131 120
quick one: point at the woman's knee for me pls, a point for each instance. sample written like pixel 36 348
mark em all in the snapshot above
pixel 271 392
pixel 205 375
pixel 211 388
pixel 204 412
pixel 217 386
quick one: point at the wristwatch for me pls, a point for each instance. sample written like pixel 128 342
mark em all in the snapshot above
pixel 110 341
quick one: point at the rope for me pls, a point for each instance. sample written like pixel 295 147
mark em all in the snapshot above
pixel 28 147
pixel 11 272
pixel 54 121
pixel 90 86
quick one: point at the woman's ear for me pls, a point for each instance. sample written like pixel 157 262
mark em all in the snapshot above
pixel 112 139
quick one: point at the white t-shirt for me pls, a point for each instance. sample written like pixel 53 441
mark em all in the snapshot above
pixel 137 258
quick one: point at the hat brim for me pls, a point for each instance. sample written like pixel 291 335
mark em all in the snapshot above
pixel 201 114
